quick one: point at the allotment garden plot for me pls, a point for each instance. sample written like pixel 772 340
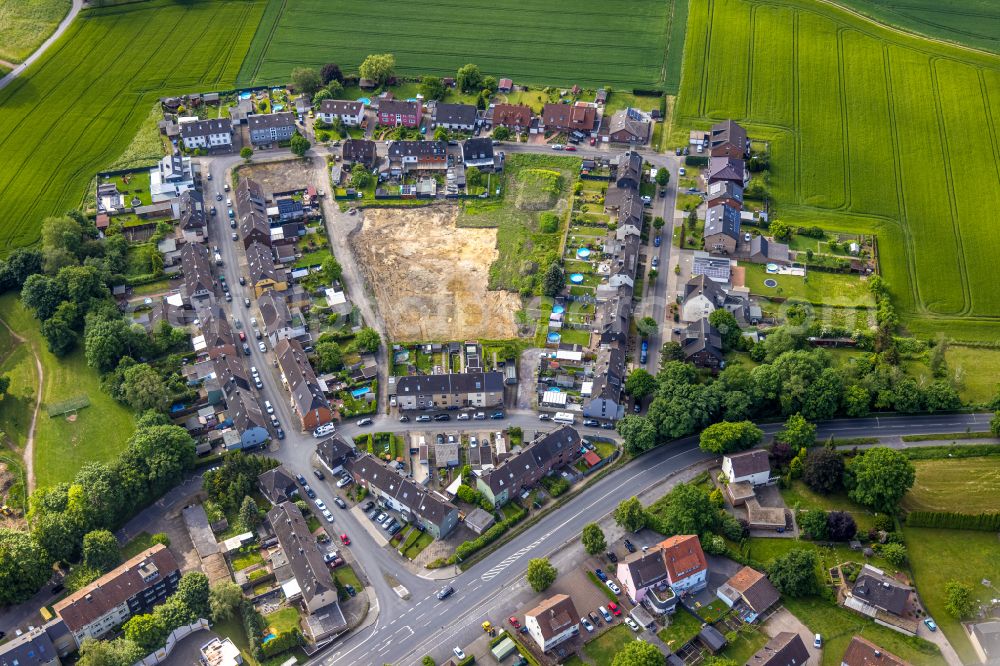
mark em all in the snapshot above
pixel 869 130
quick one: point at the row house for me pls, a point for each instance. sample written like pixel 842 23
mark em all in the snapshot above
pixel 207 134
pixel 251 213
pixel 297 374
pixel 262 274
pixel 460 389
pixel 279 321
pixel 394 113
pixel 523 470
pixel 359 151
pixel 271 128
pixel 417 155
pixel 576 117
pixel 456 116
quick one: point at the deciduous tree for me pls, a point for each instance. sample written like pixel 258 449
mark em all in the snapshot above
pixel 541 574
pixel 593 539
pixel 794 573
pixel 960 601
pixel 638 432
pixel 469 78
pixel 101 551
pixel 368 339
pixel 630 515
pixel 823 470
pixel 727 437
pixel 640 384
pixel 879 478
pixel 299 145
pixel 143 388
pixel 331 72
pixel 306 80
pixel 378 68
pixel 638 653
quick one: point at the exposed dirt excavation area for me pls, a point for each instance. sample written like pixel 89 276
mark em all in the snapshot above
pixel 430 276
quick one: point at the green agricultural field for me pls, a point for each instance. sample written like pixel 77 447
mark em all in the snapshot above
pixel 562 43
pixel 79 107
pixel 25 24
pixel 62 444
pixel 867 129
pixel 969 485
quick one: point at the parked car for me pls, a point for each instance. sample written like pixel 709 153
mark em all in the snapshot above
pixel 261 346
pixel 381 518
pixel 310 493
pixel 344 539
pixel 513 622
pixel 389 520
pixel 243 336
pixel 327 515
pixel 234 236
pixel 458 653
pixel 605 614
pixel 593 423
pixel 557 146
pixel 423 418
pixel 319 473
pixel 613 587
pixel 930 624
pixel 496 415
pixel 404 419
pixel 321 505
pixel 324 429
pixel 339 502
pixel 608 425
pixel 463 417
pixel 601 576
pixel 544 417
pixel 396 527
pixel 246 302
pixel 301 479
pixel 445 592
pixel 279 431
pixel 587 624
pixel 612 556
pixel 570 149
pixel 615 610
pixel 595 618
pixel 656 241
pixel 479 416
pixel 243 280
pixel 365 422
pixel 682 171
pixel 268 407
pixel 369 505
pixel 346 481
pixel 442 417
pixel 632 624
pixel 818 641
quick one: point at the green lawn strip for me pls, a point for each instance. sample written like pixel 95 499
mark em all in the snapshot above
pixel 139 543
pixel 575 336
pixel 18 404
pixel 938 556
pixel 150 288
pixel 967 485
pixel 748 640
pixel 345 576
pixel 766 551
pixel 601 586
pixel 284 619
pixel 602 650
pixel 800 496
pixel 418 546
pixel 683 627
pixel 315 258
pixel 99 431
pixel 838 626
pixel 246 560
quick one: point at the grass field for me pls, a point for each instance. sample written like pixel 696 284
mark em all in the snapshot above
pixel 816 287
pixel 938 556
pixel 25 24
pixel 79 107
pixel 556 43
pixel 800 496
pixel 98 432
pixel 602 650
pixel 969 485
pixel 866 127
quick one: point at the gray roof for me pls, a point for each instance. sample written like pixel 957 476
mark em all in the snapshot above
pixel 277 484
pixel 532 462
pixel 702 285
pixel 712 638
pixel 721 219
pixel 360 150
pixel 269 120
pixel 726 168
pixel 196 269
pixel 455 114
pixel 632 122
pixel 464 382
pixel 274 311
pixel 701 336
pixel 302 383
pixel 988 635
pixel 334 451
pixel 31 648
pixel 785 649
pixel 425 505
pixel 419 149
pixel 749 462
pixel 340 107
pixel 196 521
pixel 231 372
pixel 299 547
pixel 630 209
pixel 609 374
pixel 260 264
pixel 881 592
pixel 477 149
pixel 216 329
pixel 192 210
pixel 725 188
pixel 728 132
pixel 251 211
pixel 760 247
pixel 629 167
pixel 647 568
pixel 206 127
pixel 245 411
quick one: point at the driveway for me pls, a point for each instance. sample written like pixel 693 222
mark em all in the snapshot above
pixel 785 621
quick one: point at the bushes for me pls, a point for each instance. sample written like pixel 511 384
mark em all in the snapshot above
pixel 282 642
pixel 983 522
pixel 696 161
pixel 555 485
pixel 468 548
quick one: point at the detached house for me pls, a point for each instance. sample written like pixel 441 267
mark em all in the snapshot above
pixel 213 133
pixel 630 126
pixel 577 117
pixel 278 485
pixel 394 112
pixel 878 595
pixel 334 452
pixel 764 251
pixel 298 375
pixel 725 193
pixel 677 563
pixel 271 128
pixel 749 592
pixel 703 296
pixel 552 622
pixel 702 344
pixel 359 151
pixel 478 153
pixel 687 569
pixel 727 139
pixel 455 116
pixel 349 113
pixel 750 467
pixel 722 229
pixel 512 116
pixel 785 649
pixel 862 652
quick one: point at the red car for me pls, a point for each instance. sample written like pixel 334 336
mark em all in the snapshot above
pixel 243 336
pixel 613 607
pixel 345 540
pixel 571 149
pixel 513 622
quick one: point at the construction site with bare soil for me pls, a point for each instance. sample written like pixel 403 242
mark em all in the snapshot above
pixel 430 277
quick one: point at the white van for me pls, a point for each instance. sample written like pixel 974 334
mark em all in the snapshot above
pixel 268 407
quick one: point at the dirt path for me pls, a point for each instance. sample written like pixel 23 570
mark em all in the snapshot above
pixel 17 69
pixel 29 440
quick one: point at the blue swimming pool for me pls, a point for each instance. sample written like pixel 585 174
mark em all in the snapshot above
pixel 554 337
pixel 365 101
pixel 558 309
pixel 246 95
pixel 576 278
pixel 269 637
pixel 357 393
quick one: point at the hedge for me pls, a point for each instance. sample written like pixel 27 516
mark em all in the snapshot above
pixel 467 548
pixel 283 642
pixel 983 522
pixel 696 160
pixel 967 451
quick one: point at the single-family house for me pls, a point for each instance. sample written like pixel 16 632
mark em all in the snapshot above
pixel 728 139
pixel 725 193
pixel 289 209
pixel 214 133
pixel 349 113
pixel 576 117
pixel 702 344
pixel 749 592
pixel 716 269
pixel 687 569
pixel 523 470
pixel 279 322
pixel 278 485
pixel 643 576
pixel 722 229
pixel 785 649
pixel 751 467
pixel 196 267
pixel 862 652
pixel 189 210
pixel 552 622
pixel 307 398
pixel 629 173
pixel 729 169
pixel 446 452
pixel 512 116
pixel 764 251
pixel 455 116
pixel 702 296
pixel 985 638
pixel 395 112
pixel 606 399
pixel 460 389
pixel 413 155
pixel 334 452
pixel 359 151
pixel 271 128
pixel 478 153
pixel 171 177
pixel 261 272
pixel 630 126
pixel 248 419
pixel 874 592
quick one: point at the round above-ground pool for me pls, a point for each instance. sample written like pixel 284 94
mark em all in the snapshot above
pixel 770 283
pixel 576 278
pixel 772 268
pixel 246 95
pixel 365 101
pixel 558 309
pixel 554 337
pixel 583 252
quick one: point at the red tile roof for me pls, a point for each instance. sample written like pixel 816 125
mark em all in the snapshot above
pixel 591 458
pixel 683 556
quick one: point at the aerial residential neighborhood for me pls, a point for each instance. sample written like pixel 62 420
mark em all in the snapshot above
pixel 637 335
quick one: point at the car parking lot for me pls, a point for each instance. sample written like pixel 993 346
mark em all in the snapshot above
pixel 587 597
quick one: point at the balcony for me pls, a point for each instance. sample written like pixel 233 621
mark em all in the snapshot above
pixel 661 598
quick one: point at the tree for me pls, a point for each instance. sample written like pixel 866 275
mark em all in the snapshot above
pixel 360 178
pixel 593 539
pixel 378 68
pixel 147 631
pixel 797 433
pixel 814 524
pixel 59 534
pixel 306 80
pixel 101 551
pixel 473 177
pixel 541 574
pixel 332 269
pixel 638 653
pixel 144 388
pixel 640 384
pixel 727 437
pixel 428 661
pixel 687 509
pixel 246 152
pixel 856 401
pixel 469 78
pixel 193 591
pixel 58 331
pixel 671 351
pixel 780 230
pixel 432 87
pixel 646 326
pixel 554 280
pixel 160 538
pixel 24 566
pixel 501 133
pixel 840 526
pixel 299 145
pixel 725 322
pixel 879 478
pixel 368 339
pixel 21 263
pixel 117 652
pixel 894 553
pixel 490 86
pixel 223 600
pixel 105 342
pixel 638 432
pixel 331 72
pixel 662 177
pixel 823 470
pixel 630 515
pixel 794 573
pixel 249 513
pixel 959 599
pixel 42 294
pixel 329 356
pixel 658 222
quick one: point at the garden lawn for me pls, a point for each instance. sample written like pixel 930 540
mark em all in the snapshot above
pixel 838 625
pixel 418 546
pixel 801 496
pixel 78 108
pixel 602 650
pixel 979 370
pixel 139 543
pixel 683 627
pixel 967 485
pixel 246 560
pixel 746 644
pixel 540 44
pixel 281 620
pixel 843 290
pixel 863 124
pixel 938 556
pixel 345 576
pixel 98 432
pixel 25 24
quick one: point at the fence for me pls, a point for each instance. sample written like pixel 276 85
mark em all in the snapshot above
pixel 177 635
pixel 67 406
